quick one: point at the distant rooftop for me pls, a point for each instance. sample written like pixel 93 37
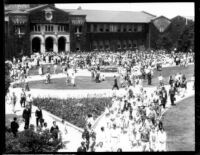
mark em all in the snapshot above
pixel 113 16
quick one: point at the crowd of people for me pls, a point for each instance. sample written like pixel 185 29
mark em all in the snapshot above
pixel 133 122
pixel 137 62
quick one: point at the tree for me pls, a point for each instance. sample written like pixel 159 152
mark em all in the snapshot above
pixel 30 141
pixel 7 76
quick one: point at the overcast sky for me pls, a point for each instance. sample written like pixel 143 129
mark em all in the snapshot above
pixel 168 10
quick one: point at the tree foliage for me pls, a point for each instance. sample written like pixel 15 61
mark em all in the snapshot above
pixel 180 35
pixel 7 77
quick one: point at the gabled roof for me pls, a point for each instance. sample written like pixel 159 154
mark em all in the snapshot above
pixel 161 17
pixel 17 12
pixel 113 16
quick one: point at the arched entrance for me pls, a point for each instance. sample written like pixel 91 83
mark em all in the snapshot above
pixel 49 44
pixel 36 44
pixel 61 44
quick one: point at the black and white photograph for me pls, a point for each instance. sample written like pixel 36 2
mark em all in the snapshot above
pixel 99 77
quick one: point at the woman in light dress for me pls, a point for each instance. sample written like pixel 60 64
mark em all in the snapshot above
pixel 162 139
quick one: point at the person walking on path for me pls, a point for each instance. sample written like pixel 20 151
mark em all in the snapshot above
pixel 23 98
pixel 14 126
pixel 172 92
pixel 115 85
pixel 26 116
pixel 13 101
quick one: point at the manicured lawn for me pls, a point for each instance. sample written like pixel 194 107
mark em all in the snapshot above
pixel 81 83
pixel 179 123
pixel 74 110
pixel 34 70
pixel 87 83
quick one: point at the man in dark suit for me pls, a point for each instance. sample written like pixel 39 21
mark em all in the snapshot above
pixel 115 83
pixel 26 116
pixel 163 97
pixel 172 91
pixel 14 126
pixel 38 114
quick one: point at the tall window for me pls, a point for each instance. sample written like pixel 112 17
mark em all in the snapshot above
pixel 49 28
pixel 95 27
pixel 139 28
pixel 100 27
pixel 118 28
pixel 35 28
pixel 129 28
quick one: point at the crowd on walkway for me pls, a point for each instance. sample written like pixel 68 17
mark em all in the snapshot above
pixel 136 114
pixel 133 122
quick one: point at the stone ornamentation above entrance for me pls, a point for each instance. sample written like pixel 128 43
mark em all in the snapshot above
pixel 19 19
pixel 48 14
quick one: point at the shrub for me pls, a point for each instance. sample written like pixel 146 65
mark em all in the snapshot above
pixel 30 141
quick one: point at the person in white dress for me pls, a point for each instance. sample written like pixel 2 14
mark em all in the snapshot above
pixel 73 79
pixel 114 138
pixel 160 79
pixel 153 139
pixel 162 138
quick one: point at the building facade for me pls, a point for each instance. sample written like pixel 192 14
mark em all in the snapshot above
pixel 44 28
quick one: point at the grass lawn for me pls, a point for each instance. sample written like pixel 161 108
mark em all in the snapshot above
pixel 179 123
pixel 34 70
pixel 86 83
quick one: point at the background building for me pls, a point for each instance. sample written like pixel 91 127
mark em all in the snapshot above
pixel 43 28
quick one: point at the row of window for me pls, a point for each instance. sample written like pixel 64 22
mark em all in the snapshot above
pixel 50 28
pixel 115 28
pixel 100 45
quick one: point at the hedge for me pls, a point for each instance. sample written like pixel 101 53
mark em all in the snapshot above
pixel 74 110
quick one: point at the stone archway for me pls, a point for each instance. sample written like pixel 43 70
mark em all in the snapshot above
pixel 36 43
pixel 49 41
pixel 61 44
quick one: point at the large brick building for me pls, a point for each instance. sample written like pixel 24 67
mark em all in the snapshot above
pixel 43 28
